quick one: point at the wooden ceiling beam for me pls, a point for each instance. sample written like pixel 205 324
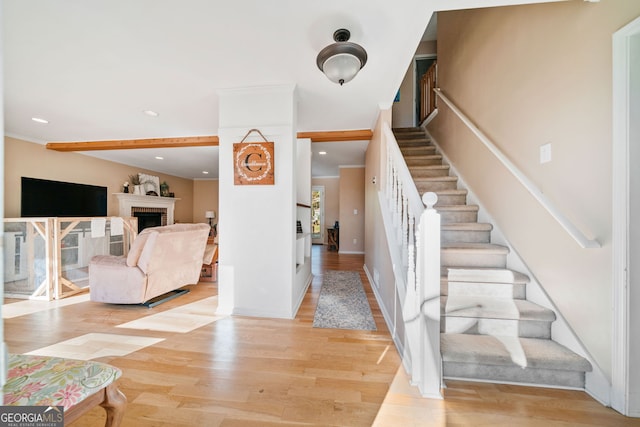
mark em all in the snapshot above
pixel 198 141
pixel 338 135
pixel 130 144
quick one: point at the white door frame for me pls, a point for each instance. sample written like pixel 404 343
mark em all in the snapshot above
pixel 319 188
pixel 621 400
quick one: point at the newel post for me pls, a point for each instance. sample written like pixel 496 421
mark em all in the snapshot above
pixel 429 296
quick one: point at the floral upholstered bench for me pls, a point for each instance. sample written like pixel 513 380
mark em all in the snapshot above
pixel 78 385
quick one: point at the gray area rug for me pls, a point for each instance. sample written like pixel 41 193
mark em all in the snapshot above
pixel 343 303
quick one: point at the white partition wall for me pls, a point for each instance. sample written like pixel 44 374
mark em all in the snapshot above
pixel 257 232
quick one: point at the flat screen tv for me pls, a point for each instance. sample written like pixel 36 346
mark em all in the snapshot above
pixel 42 198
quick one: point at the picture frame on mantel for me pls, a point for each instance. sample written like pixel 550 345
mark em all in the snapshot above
pixel 150 183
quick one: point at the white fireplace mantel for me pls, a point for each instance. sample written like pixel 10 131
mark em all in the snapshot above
pixel 126 201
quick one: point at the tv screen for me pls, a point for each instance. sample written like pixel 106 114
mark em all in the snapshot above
pixel 42 198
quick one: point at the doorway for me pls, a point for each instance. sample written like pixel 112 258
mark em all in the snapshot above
pixel 625 375
pixel 420 66
pixel 317 214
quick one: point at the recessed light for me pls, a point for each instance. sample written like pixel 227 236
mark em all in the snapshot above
pixel 151 113
pixel 322 153
pixel 159 158
pixel 205 172
pixel 39 120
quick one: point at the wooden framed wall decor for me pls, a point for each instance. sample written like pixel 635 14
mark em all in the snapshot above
pixel 253 162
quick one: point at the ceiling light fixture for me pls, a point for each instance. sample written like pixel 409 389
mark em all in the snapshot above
pixel 39 120
pixel 159 158
pixel 322 153
pixel 205 172
pixel 151 113
pixel 342 60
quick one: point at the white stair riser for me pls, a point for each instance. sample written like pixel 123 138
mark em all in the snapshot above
pixel 479 289
pixel 451 199
pixel 472 259
pixel 513 374
pixel 429 173
pixel 453 236
pixel 496 327
pixel 418 150
pixel 452 217
pixel 436 185
pixel 418 161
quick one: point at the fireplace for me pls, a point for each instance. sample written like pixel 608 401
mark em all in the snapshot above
pixel 151 211
pixel 148 219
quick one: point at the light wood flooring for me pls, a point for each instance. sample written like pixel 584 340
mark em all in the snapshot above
pixel 241 371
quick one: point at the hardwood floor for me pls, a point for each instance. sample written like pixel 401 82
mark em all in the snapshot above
pixel 242 371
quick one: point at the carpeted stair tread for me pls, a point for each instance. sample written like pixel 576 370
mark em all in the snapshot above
pixel 448 193
pixel 418 157
pixel 475 247
pixel 494 308
pixel 428 170
pixel 429 179
pixel 413 143
pixel 472 208
pixel 510 351
pixel 466 226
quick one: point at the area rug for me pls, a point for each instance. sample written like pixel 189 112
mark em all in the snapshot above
pixel 343 303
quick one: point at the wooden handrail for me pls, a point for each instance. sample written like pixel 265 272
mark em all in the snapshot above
pixel 564 222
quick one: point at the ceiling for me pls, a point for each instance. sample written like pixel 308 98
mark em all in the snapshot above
pixel 92 67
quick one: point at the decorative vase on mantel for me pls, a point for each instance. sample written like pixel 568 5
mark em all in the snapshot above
pixel 137 189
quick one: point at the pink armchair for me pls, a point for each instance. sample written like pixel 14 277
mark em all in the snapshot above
pixel 160 260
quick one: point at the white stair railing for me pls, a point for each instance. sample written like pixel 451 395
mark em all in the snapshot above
pixel 413 233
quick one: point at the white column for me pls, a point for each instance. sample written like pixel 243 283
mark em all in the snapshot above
pixel 257 222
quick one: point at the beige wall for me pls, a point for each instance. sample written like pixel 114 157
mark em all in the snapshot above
pixel 404 111
pixel 331 203
pixel 527 76
pixel 351 200
pixel 205 198
pixel 33 160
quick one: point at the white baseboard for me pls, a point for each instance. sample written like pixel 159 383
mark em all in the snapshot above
pixel 388 321
pixel 351 252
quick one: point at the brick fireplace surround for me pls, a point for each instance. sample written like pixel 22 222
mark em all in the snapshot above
pixel 128 204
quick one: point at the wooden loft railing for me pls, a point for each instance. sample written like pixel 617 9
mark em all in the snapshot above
pixel 48 258
pixel 427 96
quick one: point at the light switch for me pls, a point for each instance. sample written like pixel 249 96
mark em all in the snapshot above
pixel 545 153
pixel 355 211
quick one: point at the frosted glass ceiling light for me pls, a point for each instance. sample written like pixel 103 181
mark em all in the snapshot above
pixel 342 60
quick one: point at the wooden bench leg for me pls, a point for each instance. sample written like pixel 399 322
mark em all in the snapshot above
pixel 114 403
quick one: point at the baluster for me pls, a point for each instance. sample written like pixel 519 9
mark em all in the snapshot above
pixel 411 273
pixel 405 228
pixel 389 182
pixel 398 216
pixel 392 200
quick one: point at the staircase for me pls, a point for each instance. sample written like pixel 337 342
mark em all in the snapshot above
pixel 489 331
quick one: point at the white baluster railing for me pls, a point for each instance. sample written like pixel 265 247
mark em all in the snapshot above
pixel 414 243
